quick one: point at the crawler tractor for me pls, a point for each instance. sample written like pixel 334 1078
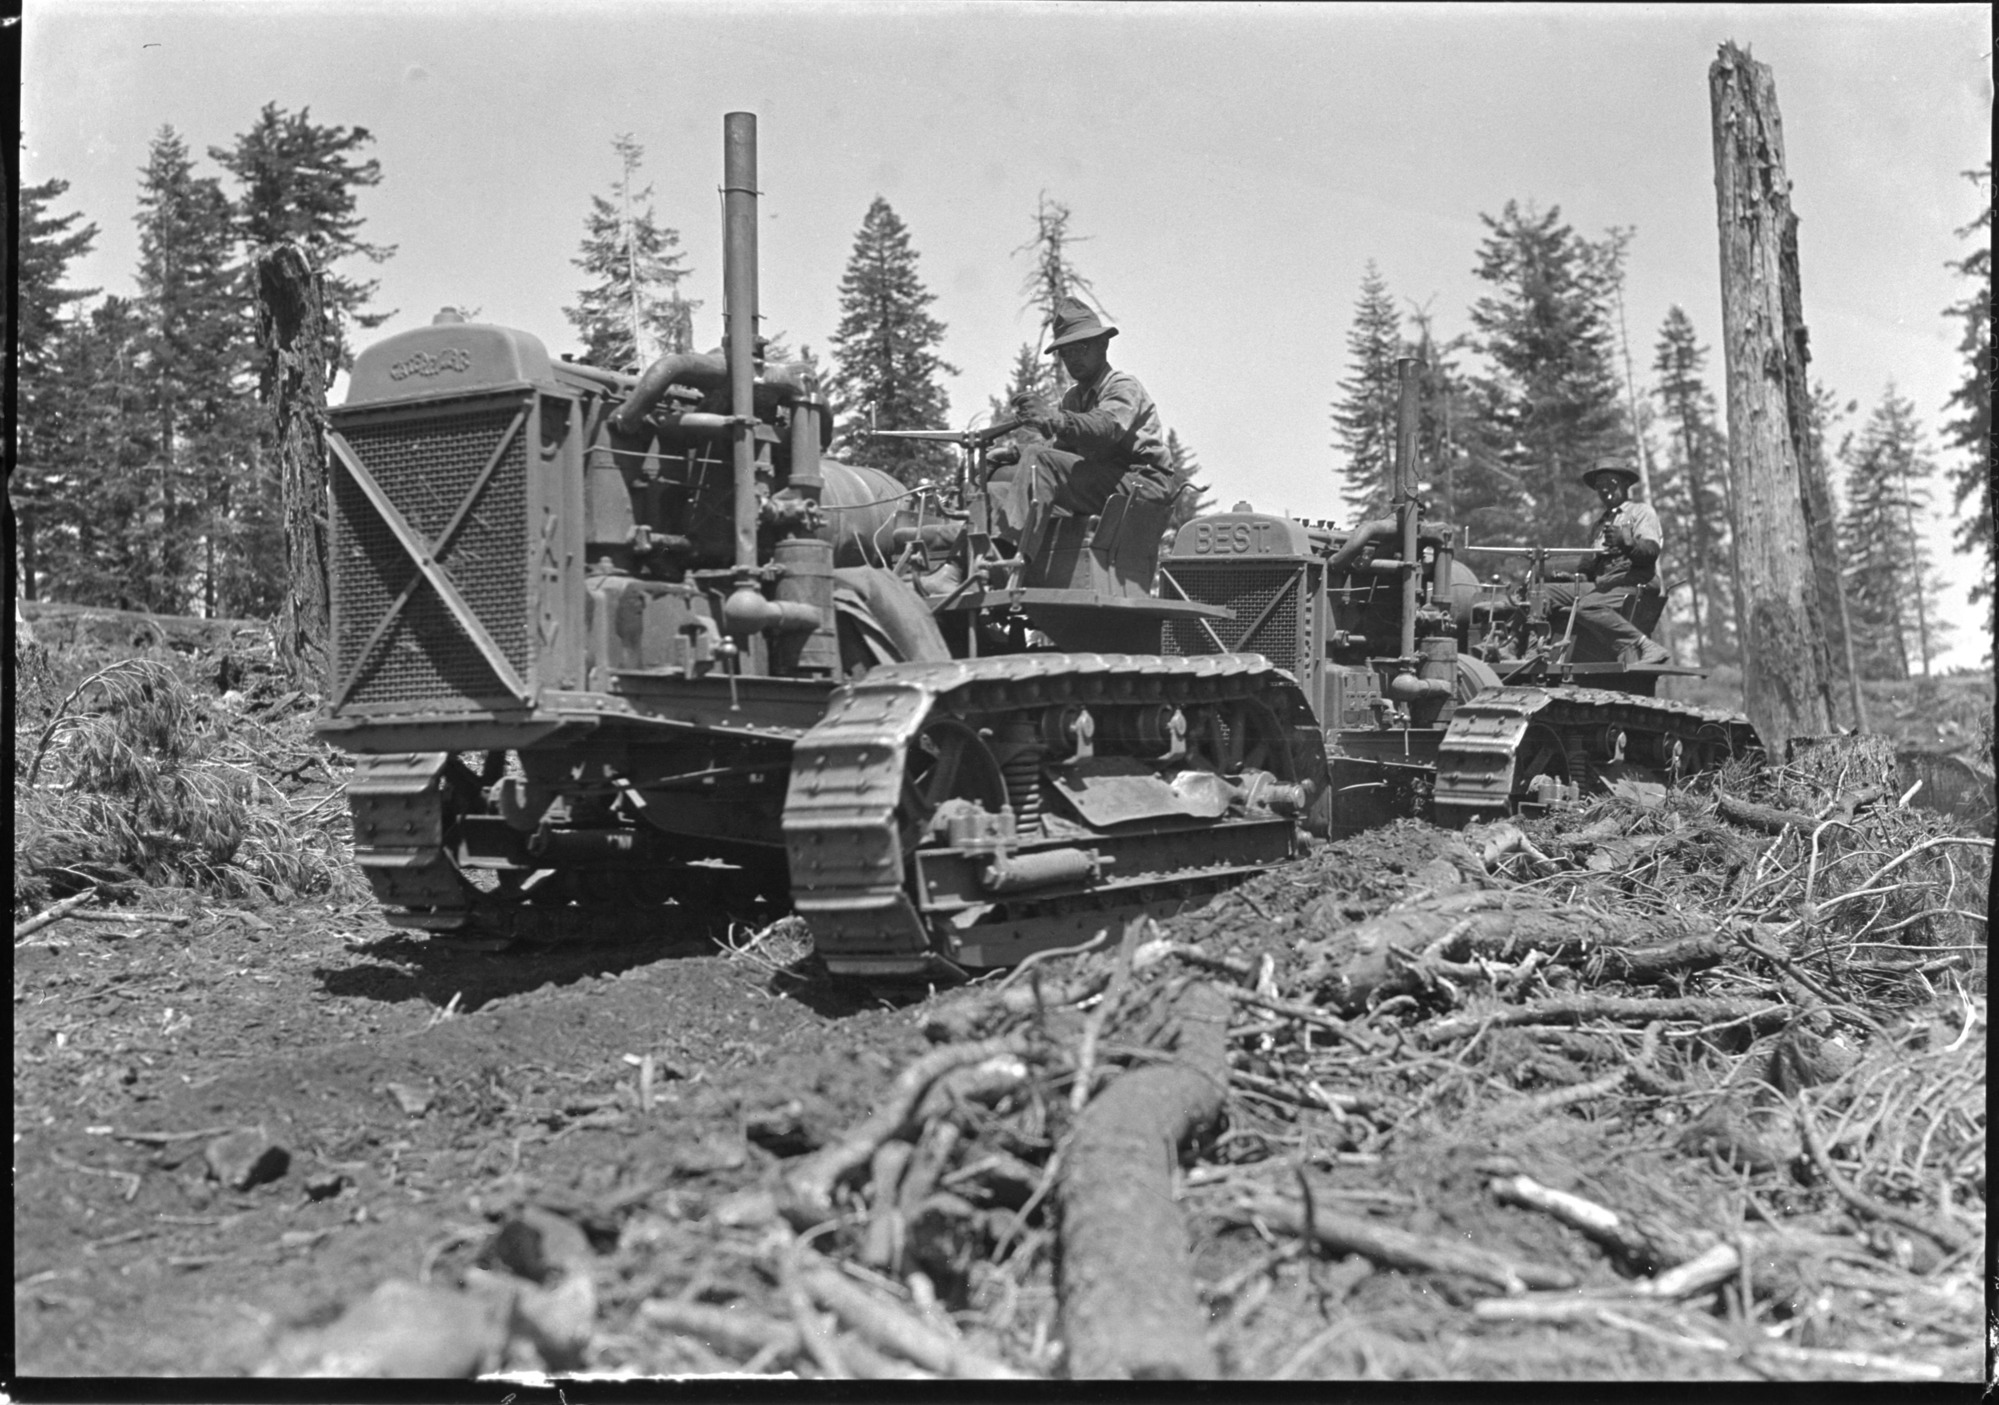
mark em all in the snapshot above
pixel 605 645
pixel 1442 696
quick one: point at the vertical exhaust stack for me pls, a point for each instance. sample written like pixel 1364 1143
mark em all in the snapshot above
pixel 1429 665
pixel 739 305
pixel 1402 493
pixel 799 614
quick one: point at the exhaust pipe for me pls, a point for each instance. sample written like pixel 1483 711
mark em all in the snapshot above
pixel 1404 495
pixel 739 304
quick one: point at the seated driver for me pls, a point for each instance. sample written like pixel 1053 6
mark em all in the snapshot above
pixel 1102 439
pixel 1628 538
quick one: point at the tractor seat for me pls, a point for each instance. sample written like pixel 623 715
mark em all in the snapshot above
pixel 1644 606
pixel 1114 553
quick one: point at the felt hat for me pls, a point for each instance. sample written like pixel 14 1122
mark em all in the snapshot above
pixel 1073 322
pixel 1611 466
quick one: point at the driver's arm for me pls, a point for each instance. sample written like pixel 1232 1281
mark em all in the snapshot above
pixel 1122 414
pixel 1635 540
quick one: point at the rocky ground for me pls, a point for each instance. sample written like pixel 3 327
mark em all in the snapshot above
pixel 257 1131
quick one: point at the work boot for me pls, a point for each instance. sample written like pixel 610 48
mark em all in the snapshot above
pixel 1644 654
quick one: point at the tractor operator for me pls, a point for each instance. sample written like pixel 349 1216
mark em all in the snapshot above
pixel 1626 563
pixel 1102 439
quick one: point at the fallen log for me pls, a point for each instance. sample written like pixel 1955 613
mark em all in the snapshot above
pixel 1386 955
pixel 1128 1306
pixel 1764 817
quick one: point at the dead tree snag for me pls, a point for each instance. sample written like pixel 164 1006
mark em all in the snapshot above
pixel 291 332
pixel 1787 668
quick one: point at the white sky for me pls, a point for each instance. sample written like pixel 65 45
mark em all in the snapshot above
pixel 1234 166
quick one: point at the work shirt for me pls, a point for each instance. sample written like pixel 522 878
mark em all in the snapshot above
pixel 1113 421
pixel 1614 566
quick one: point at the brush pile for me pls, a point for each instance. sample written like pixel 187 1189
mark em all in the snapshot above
pixel 1685 1085
pixel 171 767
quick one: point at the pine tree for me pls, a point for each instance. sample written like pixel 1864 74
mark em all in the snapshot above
pixel 1971 430
pixel 1364 416
pixel 46 247
pixel 884 353
pixel 192 356
pixel 1891 588
pixel 1549 407
pixel 299 181
pixel 45 396
pixel 102 539
pixel 1195 497
pixel 632 312
pixel 1690 487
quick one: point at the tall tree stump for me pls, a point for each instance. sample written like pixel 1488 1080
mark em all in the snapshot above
pixel 1787 666
pixel 291 331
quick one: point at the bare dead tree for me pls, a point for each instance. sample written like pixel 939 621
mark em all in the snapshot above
pixel 291 331
pixel 1787 666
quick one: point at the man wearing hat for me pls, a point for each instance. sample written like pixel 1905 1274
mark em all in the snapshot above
pixel 1628 537
pixel 1103 437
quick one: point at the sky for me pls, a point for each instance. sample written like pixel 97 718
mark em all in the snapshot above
pixel 1230 169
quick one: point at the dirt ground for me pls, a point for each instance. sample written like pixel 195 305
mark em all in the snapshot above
pixel 129 1260
pixel 393 1104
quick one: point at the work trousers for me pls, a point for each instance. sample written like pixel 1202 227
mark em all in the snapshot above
pixel 1597 612
pixel 1057 478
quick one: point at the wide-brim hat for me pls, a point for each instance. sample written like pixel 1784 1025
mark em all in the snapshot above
pixel 1073 322
pixel 1618 470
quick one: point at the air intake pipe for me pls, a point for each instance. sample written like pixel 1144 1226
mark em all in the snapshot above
pixel 1357 541
pixel 786 384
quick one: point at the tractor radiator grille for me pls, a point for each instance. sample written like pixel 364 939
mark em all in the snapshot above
pixel 1248 590
pixel 427 465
